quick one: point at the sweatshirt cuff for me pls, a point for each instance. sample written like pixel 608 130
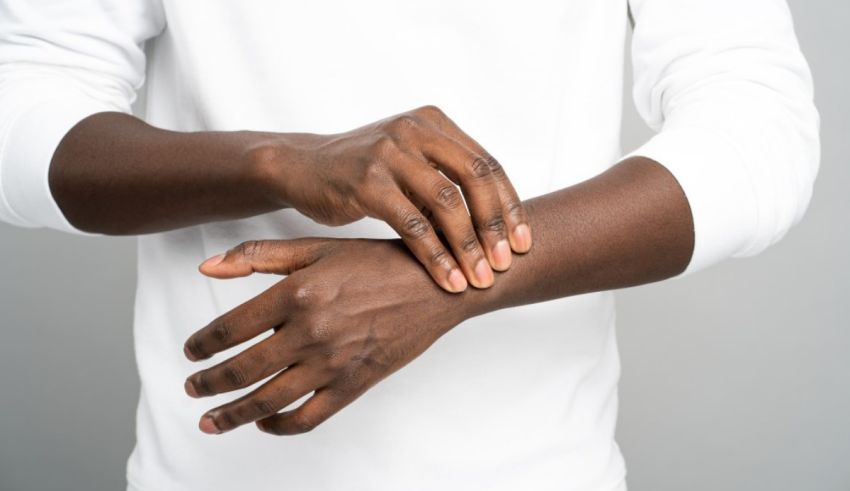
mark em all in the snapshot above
pixel 25 156
pixel 714 179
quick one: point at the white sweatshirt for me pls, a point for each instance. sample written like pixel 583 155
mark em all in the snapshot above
pixel 524 398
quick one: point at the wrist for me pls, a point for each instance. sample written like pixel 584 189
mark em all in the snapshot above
pixel 468 304
pixel 276 165
pixel 479 302
pixel 504 291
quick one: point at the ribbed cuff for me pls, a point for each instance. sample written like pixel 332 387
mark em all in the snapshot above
pixel 709 169
pixel 25 157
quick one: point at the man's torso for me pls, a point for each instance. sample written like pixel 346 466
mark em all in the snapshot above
pixel 518 399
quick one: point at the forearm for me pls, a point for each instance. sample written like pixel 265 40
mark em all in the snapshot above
pixel 374 310
pixel 627 226
pixel 115 174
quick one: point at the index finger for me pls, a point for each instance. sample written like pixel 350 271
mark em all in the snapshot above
pixel 418 234
pixel 263 312
pixel 513 211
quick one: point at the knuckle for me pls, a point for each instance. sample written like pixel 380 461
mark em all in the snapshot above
pixel 383 146
pixel 222 331
pixel 470 245
pixel 404 123
pixel 495 167
pixel 263 407
pixel 515 208
pixel 494 224
pixel 479 167
pixel 415 226
pixel 235 375
pixel 438 255
pixel 448 196
pixel 317 332
pixel 430 110
pixel 375 171
pixel 303 297
pixel 249 248
pixel 311 297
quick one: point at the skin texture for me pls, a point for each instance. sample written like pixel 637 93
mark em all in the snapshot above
pixel 352 312
pixel 115 174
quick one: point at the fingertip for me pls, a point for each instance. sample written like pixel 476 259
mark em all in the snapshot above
pixel 188 353
pixel 483 274
pixel 501 255
pixel 457 281
pixel 189 387
pixel 521 238
pixel 226 270
pixel 208 426
pixel 211 263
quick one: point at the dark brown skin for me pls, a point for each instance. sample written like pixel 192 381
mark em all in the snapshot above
pixel 115 174
pixel 352 312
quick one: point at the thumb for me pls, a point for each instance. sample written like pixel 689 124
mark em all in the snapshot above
pixel 265 256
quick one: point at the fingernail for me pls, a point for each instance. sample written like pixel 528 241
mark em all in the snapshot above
pixel 484 273
pixel 189 387
pixel 457 281
pixel 213 261
pixel 207 425
pixel 502 255
pixel 189 354
pixel 522 238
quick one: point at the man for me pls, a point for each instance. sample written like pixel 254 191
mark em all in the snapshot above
pixel 247 139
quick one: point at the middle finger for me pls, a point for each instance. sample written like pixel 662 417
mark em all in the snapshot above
pixel 259 361
pixel 282 390
pixel 252 318
pixel 479 188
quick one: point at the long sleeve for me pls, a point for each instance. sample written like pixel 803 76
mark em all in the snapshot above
pixel 61 61
pixel 729 92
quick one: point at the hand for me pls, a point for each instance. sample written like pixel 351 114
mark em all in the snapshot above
pixel 351 312
pixel 398 170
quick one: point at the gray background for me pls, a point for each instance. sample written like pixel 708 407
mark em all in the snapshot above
pixel 737 378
